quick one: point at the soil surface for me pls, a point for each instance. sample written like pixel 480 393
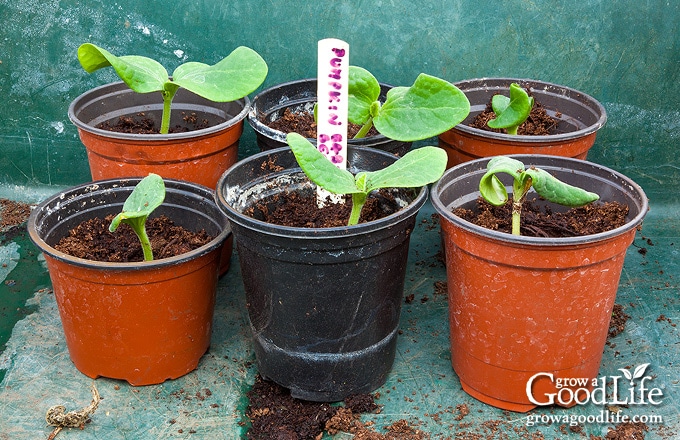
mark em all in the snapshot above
pixel 275 415
pixel 539 122
pixel 303 123
pixel 300 210
pixel 543 222
pixel 92 240
pixel 141 124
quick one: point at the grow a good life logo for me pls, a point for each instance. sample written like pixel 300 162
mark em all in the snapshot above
pixel 581 390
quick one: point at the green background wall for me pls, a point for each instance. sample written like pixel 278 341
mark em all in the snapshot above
pixel 625 53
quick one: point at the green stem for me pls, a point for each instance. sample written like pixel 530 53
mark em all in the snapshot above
pixel 513 130
pixel 146 244
pixel 364 130
pixel 167 101
pixel 516 216
pixel 358 201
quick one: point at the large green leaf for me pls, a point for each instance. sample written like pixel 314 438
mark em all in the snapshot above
pixel 319 169
pixel 237 75
pixel 141 74
pixel 550 188
pixel 427 108
pixel 417 168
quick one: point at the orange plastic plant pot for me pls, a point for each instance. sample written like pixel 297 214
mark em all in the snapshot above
pixel 144 326
pixel 465 145
pixel 517 310
pixel 201 160
pixel 143 322
pixel 579 117
pixel 199 156
pixel 520 306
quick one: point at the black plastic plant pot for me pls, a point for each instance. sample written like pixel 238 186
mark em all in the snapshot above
pixel 270 104
pixel 324 304
pixel 579 117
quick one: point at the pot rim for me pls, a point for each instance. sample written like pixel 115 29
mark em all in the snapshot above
pixel 278 135
pixel 119 87
pixel 559 90
pixel 37 239
pixel 445 211
pixel 236 216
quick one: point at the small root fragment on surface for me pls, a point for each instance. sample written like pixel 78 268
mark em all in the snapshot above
pixel 58 417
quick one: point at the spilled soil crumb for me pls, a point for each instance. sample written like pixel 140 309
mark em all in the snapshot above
pixel 617 324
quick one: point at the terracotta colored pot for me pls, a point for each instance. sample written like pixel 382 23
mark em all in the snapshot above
pixel 581 116
pixel 300 95
pixel 142 322
pixel 199 156
pixel 522 305
pixel 323 303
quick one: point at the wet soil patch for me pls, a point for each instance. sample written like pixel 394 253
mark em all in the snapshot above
pixel 143 124
pixel 92 240
pixel 303 123
pixel 539 122
pixel 301 210
pixel 275 415
pixel 542 221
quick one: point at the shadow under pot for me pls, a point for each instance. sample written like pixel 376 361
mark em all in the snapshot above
pixel 578 115
pixel 143 322
pixel 521 306
pixel 300 96
pixel 323 303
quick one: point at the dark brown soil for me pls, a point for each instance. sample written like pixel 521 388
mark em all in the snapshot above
pixel 300 210
pixel 543 222
pixel 275 415
pixel 141 124
pixel 539 122
pixel 617 324
pixel 13 213
pixel 303 123
pixel 92 240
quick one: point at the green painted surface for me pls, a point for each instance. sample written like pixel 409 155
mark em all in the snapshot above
pixel 624 53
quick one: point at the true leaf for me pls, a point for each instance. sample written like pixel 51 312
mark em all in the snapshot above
pixel 363 93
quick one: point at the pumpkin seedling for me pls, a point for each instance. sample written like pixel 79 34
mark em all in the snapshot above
pixel 417 168
pixel 544 183
pixel 234 77
pixel 511 111
pixel 147 195
pixel 427 108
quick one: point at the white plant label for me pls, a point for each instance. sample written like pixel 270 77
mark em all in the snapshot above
pixel 332 103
